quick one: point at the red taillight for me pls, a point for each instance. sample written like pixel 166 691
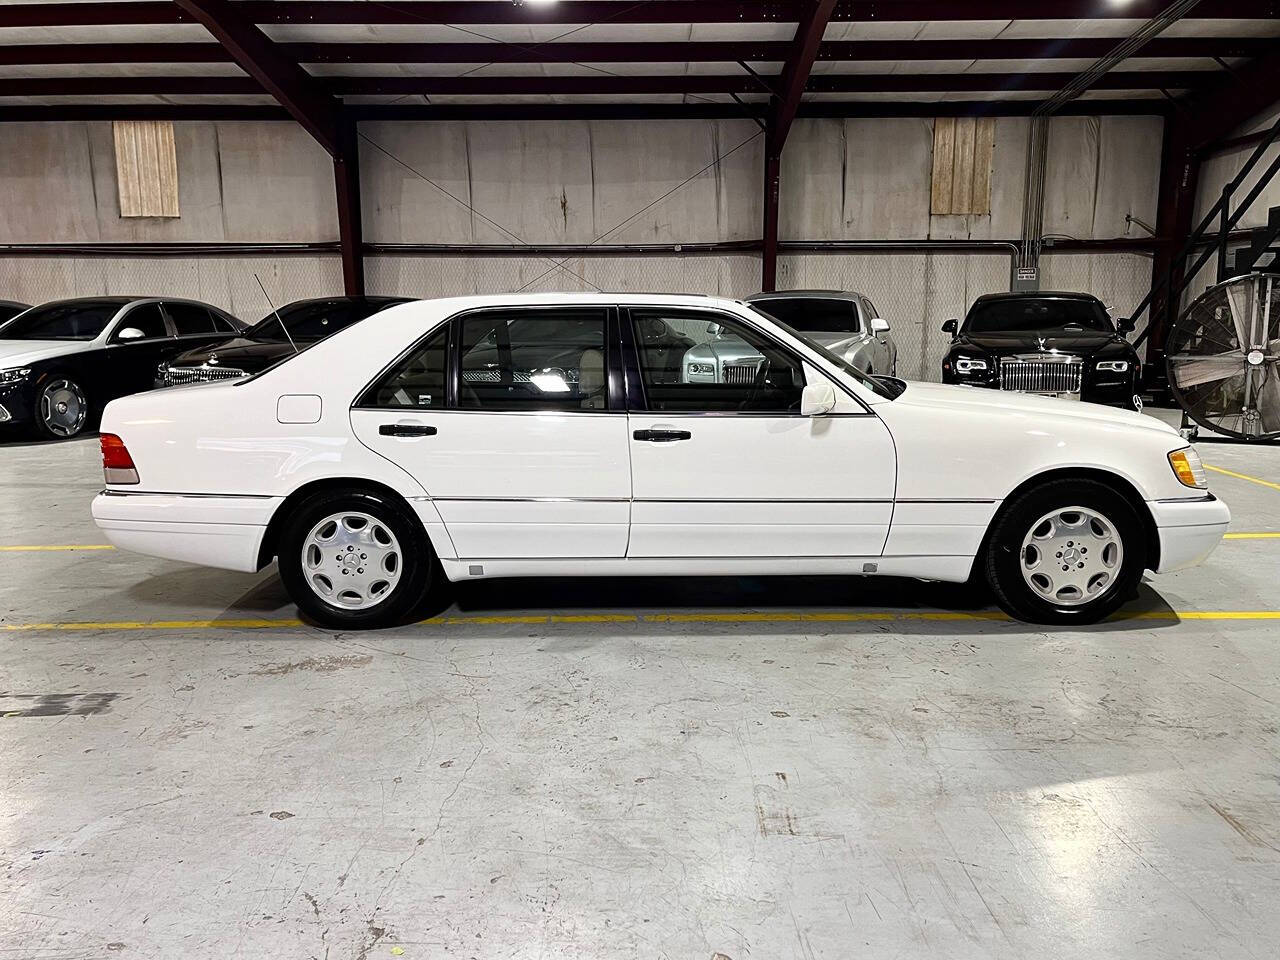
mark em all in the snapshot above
pixel 117 465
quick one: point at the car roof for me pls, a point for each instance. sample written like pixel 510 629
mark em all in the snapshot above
pixel 788 294
pixel 1037 295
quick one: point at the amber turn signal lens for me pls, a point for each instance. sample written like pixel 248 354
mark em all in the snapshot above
pixel 1188 468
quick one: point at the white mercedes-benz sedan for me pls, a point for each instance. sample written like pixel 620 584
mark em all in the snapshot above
pixel 586 435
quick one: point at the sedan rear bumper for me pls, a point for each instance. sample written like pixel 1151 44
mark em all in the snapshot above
pixel 212 531
pixel 1189 530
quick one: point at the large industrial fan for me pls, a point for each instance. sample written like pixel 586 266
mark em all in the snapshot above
pixel 1224 358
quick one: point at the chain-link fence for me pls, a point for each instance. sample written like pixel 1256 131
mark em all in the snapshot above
pixel 227 282
pixel 729 275
pixel 916 290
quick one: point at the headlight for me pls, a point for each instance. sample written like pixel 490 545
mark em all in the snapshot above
pixel 1113 366
pixel 1188 468
pixel 970 365
pixel 14 375
pixel 701 368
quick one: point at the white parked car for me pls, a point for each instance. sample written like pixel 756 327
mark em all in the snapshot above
pixel 559 434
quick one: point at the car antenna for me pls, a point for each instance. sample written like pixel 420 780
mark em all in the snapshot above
pixel 277 313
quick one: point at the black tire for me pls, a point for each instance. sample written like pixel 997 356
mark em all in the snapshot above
pixel 47 429
pixel 1004 559
pixel 416 567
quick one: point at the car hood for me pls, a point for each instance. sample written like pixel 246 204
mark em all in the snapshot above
pixel 834 342
pixel 240 353
pixel 1085 343
pixel 947 397
pixel 17 353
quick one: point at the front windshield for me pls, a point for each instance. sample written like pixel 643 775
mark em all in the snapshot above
pixel 1037 315
pixel 62 320
pixel 312 320
pixel 871 383
pixel 812 314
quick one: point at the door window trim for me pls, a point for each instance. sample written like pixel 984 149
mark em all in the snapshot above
pixel 122 321
pixel 637 397
pixel 614 377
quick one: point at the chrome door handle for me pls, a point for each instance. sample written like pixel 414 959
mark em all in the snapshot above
pixel 406 430
pixel 662 436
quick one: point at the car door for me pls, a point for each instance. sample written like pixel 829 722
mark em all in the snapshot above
pixel 724 465
pixel 510 421
pixel 133 359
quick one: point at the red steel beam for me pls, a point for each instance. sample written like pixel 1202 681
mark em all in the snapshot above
pixel 782 112
pixel 596 11
pixel 79 112
pixel 692 51
pixel 316 111
pixel 584 85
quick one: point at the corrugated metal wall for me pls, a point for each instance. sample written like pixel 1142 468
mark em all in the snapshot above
pixel 583 182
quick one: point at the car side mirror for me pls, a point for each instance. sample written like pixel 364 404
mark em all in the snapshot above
pixel 879 325
pixel 1126 325
pixel 951 326
pixel 817 399
pixel 130 333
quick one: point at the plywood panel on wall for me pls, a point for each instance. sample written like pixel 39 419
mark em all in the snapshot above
pixel 962 151
pixel 146 168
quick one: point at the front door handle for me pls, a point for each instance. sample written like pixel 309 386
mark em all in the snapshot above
pixel 406 430
pixel 662 436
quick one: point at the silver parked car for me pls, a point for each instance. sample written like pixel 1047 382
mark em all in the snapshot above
pixel 844 322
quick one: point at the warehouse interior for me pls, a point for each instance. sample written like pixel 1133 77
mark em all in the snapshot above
pixel 716 767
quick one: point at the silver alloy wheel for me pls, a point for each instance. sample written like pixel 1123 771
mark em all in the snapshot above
pixel 63 408
pixel 351 560
pixel 1071 556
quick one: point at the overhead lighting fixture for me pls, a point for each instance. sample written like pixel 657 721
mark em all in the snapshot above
pixel 536 3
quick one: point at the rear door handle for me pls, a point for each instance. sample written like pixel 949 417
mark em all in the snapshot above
pixel 662 436
pixel 406 430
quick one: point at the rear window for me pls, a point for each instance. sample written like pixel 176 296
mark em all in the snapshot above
pixel 812 314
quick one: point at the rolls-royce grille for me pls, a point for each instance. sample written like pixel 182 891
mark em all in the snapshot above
pixel 519 376
pixel 1041 376
pixel 180 376
pixel 741 374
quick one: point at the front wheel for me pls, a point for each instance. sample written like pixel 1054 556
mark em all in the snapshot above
pixel 61 408
pixel 355 559
pixel 1069 551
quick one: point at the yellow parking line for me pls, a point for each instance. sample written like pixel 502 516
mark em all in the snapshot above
pixel 1251 536
pixel 781 616
pixel 47 546
pixel 1243 476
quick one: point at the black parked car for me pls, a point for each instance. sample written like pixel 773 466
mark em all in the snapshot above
pixel 1058 344
pixel 307 321
pixel 62 361
pixel 11 308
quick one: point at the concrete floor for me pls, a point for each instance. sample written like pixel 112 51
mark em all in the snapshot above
pixel 686 770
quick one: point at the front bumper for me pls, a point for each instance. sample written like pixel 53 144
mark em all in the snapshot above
pixel 212 531
pixel 1189 530
pixel 15 403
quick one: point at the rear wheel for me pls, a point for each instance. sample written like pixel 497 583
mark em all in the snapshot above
pixel 353 558
pixel 61 408
pixel 1069 551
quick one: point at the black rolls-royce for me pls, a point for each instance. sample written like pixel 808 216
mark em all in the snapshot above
pixel 1051 343
pixel 62 361
pixel 295 326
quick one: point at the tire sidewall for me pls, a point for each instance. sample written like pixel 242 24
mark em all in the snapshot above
pixel 417 559
pixel 1004 559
